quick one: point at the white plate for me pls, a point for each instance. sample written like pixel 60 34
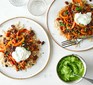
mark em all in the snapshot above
pixel 45 49
pixel 55 7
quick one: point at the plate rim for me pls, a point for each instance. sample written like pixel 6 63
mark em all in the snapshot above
pixel 49 48
pixel 53 37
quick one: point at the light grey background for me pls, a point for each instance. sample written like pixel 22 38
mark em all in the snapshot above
pixel 48 76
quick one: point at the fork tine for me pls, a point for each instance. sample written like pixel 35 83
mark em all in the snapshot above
pixel 67 45
pixel 68 42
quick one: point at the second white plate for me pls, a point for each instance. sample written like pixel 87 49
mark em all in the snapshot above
pixel 55 7
pixel 45 49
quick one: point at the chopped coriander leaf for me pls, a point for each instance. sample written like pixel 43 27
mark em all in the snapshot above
pixel 78 33
pixel 7 54
pixel 27 48
pixel 83 36
pixel 17 38
pixel 62 24
pixel 23 42
pixel 33 64
pixel 85 29
pixel 66 12
pixel 23 45
pixel 81 24
pixel 78 8
pixel 69 25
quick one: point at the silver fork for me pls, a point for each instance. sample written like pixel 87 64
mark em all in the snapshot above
pixel 68 43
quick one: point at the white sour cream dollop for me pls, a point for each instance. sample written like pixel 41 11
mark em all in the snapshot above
pixel 20 54
pixel 83 19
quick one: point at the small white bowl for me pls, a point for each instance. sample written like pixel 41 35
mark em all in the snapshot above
pixel 84 64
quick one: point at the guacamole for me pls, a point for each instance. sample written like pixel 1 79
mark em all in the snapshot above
pixel 70 66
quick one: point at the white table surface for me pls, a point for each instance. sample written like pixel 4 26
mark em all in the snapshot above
pixel 48 76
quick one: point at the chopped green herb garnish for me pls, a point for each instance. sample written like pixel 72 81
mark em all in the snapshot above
pixel 78 8
pixel 83 36
pixel 27 48
pixel 32 64
pixel 23 42
pixel 85 29
pixel 17 38
pixel 66 12
pixel 6 54
pixel 69 25
pixel 81 24
pixel 62 24
pixel 78 33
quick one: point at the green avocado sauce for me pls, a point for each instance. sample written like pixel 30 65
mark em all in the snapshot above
pixel 68 67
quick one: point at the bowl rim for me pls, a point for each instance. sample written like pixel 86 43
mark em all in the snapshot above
pixel 84 64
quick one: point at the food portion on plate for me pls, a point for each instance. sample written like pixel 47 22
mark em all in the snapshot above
pixel 75 20
pixel 19 47
pixel 71 68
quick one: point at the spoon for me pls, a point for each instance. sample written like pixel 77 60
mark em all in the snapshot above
pixel 88 79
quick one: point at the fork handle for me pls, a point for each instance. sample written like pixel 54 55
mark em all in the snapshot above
pixel 90 80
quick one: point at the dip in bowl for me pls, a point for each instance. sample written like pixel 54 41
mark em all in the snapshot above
pixel 69 67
